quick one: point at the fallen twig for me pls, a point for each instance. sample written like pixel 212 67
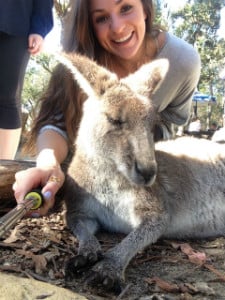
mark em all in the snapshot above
pixel 11 269
pixel 14 269
pixel 215 271
pixel 36 276
pixel 41 278
pixel 123 292
pixel 11 245
pixel 164 285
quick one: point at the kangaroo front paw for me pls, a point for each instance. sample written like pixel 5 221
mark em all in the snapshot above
pixel 106 274
pixel 79 264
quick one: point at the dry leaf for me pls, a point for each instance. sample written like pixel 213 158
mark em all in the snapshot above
pixel 40 263
pixel 196 257
pixel 27 254
pixel 14 236
pixel 52 235
pixel 164 285
pixel 215 271
pixel 51 254
pixel 203 288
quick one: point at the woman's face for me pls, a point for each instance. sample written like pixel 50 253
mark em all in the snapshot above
pixel 119 26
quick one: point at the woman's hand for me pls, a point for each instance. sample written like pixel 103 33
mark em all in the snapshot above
pixel 35 43
pixel 49 178
pixel 52 150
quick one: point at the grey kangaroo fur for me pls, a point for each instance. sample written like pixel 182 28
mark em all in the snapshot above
pixel 120 181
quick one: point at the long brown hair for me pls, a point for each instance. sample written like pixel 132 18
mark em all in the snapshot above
pixel 60 104
pixel 62 101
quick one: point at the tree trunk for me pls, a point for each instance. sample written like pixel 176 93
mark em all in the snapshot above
pixel 67 31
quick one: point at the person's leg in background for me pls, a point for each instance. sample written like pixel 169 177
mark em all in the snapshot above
pixel 13 62
pixel 9 141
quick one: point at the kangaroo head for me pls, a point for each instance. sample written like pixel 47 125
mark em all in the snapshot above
pixel 116 129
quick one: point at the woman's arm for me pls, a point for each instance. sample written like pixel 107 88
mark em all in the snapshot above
pixel 52 150
pixel 52 135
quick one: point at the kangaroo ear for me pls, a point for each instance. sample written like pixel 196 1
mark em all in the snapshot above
pixel 93 79
pixel 147 79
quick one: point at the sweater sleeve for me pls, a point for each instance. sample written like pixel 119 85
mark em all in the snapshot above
pixel 174 96
pixel 42 17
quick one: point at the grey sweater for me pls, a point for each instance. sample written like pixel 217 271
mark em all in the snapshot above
pixel 174 97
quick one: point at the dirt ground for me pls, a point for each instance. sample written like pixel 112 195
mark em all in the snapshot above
pixel 39 248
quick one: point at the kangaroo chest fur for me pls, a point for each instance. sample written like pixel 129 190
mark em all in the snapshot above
pixel 105 198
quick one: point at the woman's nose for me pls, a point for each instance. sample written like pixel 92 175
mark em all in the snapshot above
pixel 117 24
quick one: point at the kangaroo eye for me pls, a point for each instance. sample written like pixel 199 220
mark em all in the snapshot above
pixel 115 122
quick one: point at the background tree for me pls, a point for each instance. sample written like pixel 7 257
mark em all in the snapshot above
pixel 198 23
pixel 61 7
pixel 162 16
pixel 37 76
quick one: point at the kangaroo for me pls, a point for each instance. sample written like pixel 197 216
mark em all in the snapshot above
pixel 119 180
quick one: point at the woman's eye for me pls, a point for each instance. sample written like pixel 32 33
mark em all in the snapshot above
pixel 101 19
pixel 126 8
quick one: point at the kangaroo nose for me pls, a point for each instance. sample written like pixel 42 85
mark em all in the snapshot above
pixel 146 174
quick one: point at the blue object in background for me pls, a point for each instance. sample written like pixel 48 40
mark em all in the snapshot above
pixel 203 98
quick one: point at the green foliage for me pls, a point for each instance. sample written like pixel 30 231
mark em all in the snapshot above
pixel 160 18
pixel 198 23
pixel 36 79
pixel 209 114
pixel 199 19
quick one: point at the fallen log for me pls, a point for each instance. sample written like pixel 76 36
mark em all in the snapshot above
pixel 8 168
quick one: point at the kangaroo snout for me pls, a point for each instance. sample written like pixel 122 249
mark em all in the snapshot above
pixel 144 175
